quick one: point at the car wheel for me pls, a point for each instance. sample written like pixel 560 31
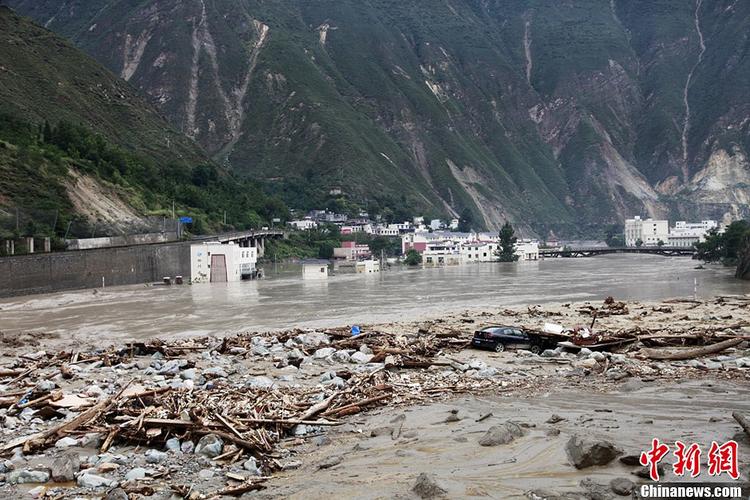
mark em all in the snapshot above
pixel 499 347
pixel 535 349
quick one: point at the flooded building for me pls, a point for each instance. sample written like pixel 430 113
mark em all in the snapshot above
pixel 367 266
pixel 352 251
pixel 214 262
pixel 314 269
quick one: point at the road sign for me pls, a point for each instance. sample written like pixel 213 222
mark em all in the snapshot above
pixel 186 220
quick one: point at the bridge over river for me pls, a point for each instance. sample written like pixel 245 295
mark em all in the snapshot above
pixel 593 251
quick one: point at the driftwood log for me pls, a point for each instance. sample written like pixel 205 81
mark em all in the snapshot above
pixel 690 353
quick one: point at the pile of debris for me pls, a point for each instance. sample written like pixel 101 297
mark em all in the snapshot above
pixel 231 404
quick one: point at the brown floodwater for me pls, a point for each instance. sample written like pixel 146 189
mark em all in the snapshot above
pixel 284 300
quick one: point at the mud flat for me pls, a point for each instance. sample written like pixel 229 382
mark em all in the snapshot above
pixel 405 409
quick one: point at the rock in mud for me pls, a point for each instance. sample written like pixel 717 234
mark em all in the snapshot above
pixel 381 431
pixel 596 491
pixel 64 468
pixel 622 486
pixel 331 461
pixel 587 452
pixel 631 460
pixel 155 456
pixel 116 494
pixel 426 486
pixel 137 473
pixel 555 418
pixel 501 434
pixel 259 382
pixel 66 442
pixel 323 352
pixel 187 447
pixel 251 466
pixel 210 446
pixel 28 476
pixel 93 481
pixel 361 358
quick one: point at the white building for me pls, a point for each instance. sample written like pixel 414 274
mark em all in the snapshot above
pixel 454 224
pixel 436 224
pixel 303 224
pixel 649 231
pixel 444 253
pixel 390 230
pixel 314 270
pixel 527 250
pixel 217 263
pixel 687 234
pixel 367 266
pixel 478 251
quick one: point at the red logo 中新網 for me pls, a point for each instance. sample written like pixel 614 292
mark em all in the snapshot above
pixel 721 458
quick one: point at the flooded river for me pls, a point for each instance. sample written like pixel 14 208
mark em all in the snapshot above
pixel 283 300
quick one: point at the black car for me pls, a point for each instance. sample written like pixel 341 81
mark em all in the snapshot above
pixel 499 338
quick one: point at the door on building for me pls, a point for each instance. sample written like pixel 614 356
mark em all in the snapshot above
pixel 218 269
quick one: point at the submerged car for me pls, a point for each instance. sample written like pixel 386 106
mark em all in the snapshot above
pixel 499 338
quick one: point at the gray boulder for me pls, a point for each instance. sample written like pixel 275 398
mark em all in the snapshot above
pixel 28 476
pixel 587 452
pixel 93 481
pixel 501 434
pixel 210 446
pixel 134 474
pixel 622 486
pixel 65 467
pixel 426 486
pixel 116 494
pixel 323 352
pixel 259 382
pixel 361 358
pixel 155 456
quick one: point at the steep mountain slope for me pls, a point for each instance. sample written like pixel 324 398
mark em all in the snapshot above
pixel 564 115
pixel 77 142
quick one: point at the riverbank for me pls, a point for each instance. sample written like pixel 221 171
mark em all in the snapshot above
pixel 315 413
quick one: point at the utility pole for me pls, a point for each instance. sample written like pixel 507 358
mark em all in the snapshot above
pixel 173 209
pixel 225 217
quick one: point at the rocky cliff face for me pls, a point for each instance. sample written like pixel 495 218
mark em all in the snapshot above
pixel 564 115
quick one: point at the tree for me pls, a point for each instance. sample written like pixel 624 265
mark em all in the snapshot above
pixel 724 247
pixel 507 251
pixel 325 250
pixel 614 236
pixel 413 258
pixel 639 243
pixel 660 243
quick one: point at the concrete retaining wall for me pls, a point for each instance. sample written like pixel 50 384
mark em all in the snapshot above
pixel 44 273
pixel 121 241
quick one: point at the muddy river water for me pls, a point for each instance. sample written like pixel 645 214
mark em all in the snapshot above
pixel 284 300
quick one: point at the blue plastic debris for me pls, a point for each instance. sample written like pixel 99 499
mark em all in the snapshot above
pixel 355 331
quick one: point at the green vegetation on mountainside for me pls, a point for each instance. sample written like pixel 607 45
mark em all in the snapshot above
pixel 62 115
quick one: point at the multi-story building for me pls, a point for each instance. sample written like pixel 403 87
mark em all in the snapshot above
pixel 441 253
pixel 350 250
pixel 687 234
pixel 303 224
pixel 649 232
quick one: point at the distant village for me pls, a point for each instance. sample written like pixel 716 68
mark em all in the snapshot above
pixel 438 242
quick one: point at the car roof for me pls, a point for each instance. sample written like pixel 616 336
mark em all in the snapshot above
pixel 501 326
